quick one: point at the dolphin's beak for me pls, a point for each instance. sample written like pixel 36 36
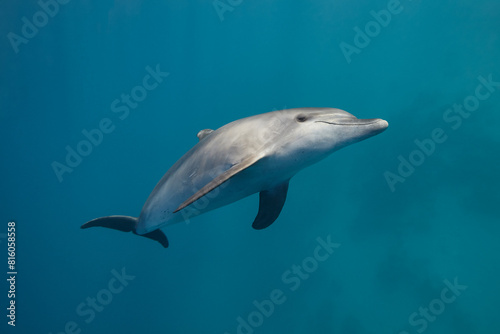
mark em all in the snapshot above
pixel 356 121
pixel 377 123
pixel 361 128
pixel 373 126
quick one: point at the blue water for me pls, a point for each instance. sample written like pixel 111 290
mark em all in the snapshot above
pixel 416 250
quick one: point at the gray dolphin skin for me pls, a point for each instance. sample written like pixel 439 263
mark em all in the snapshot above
pixel 257 154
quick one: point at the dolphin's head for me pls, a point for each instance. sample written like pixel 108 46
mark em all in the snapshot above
pixel 313 133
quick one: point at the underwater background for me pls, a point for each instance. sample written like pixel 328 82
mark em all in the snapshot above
pixel 397 234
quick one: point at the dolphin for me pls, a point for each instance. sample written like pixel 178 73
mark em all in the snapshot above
pixel 257 154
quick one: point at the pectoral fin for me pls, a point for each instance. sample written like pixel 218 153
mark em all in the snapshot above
pixel 220 180
pixel 270 204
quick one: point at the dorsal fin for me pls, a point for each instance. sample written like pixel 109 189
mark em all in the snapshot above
pixel 220 180
pixel 203 133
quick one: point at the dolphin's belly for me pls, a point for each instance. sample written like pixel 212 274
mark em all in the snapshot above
pixel 229 192
pixel 159 210
pixel 190 174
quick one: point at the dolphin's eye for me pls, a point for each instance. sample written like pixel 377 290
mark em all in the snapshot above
pixel 301 118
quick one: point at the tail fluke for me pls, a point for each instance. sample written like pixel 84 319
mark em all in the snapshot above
pixel 126 224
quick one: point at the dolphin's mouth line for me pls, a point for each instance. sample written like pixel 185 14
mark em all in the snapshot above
pixel 341 123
